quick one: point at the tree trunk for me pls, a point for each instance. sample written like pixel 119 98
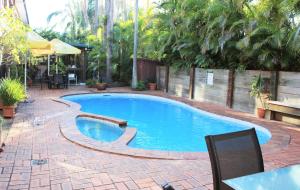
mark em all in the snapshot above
pixel 85 14
pixel 109 28
pixel 134 67
pixel 96 19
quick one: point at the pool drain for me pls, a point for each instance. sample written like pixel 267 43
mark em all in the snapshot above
pixel 38 162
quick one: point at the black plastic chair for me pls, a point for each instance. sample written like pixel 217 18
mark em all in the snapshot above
pixel 233 155
pixel 57 80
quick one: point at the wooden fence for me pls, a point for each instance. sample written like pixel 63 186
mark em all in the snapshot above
pixel 227 88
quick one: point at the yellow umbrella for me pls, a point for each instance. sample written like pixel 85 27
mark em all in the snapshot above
pixel 62 48
pixel 36 41
pixel 38 45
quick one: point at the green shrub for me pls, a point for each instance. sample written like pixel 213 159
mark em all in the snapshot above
pixel 141 85
pixel 91 82
pixel 61 68
pixel 257 89
pixel 11 91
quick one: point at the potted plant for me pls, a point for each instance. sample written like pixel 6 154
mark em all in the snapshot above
pixel 91 83
pixel 101 85
pixel 152 84
pixel 140 86
pixel 257 89
pixel 11 92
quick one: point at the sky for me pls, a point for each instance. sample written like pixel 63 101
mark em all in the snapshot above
pixel 38 11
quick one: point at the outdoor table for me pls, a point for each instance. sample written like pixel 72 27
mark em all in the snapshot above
pixel 278 179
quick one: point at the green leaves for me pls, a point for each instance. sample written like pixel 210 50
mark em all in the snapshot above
pixel 13 36
pixel 11 91
pixel 230 34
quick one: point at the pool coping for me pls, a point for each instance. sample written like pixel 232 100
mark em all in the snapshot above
pixel 280 138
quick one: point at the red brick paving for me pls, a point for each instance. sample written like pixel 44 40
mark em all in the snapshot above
pixel 71 166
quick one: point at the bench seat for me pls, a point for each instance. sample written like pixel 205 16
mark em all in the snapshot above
pixel 282 107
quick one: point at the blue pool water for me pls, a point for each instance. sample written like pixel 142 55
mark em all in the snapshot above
pixel 162 124
pixel 99 130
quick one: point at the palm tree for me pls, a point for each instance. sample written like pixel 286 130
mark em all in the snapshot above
pixel 96 17
pixel 74 18
pixel 108 40
pixel 134 66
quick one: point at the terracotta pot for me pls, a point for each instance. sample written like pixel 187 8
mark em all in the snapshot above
pixel 152 86
pixel 29 82
pixel 92 86
pixel 9 111
pixel 101 86
pixel 261 112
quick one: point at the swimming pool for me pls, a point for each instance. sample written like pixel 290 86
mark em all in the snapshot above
pixel 162 124
pixel 96 129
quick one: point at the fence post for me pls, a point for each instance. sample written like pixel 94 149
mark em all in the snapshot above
pixel 230 88
pixel 167 78
pixel 274 89
pixel 157 78
pixel 192 82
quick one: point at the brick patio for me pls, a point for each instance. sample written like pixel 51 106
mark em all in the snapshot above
pixel 35 134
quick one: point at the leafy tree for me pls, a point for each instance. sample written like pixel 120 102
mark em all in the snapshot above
pixel 229 34
pixel 13 37
pixel 74 18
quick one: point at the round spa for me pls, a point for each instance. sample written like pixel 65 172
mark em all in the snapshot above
pixel 161 123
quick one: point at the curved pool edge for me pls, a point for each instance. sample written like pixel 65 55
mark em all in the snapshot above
pixel 68 129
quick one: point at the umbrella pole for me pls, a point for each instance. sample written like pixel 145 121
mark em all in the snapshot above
pixel 48 65
pixel 56 65
pixel 25 74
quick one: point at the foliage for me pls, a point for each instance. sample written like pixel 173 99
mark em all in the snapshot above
pixel 257 88
pixel 13 36
pixel 11 91
pixel 122 45
pixel 49 34
pixel 74 18
pixel 229 34
pixel 221 34
pixel 91 83
pixel 61 68
pixel 141 85
pixel 17 72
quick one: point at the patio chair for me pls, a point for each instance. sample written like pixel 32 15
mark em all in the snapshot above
pixel 72 77
pixel 233 155
pixel 167 186
pixel 58 80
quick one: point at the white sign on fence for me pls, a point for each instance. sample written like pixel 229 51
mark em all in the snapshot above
pixel 210 78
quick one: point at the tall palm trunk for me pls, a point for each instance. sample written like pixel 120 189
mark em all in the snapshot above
pixel 96 19
pixel 85 13
pixel 134 67
pixel 109 27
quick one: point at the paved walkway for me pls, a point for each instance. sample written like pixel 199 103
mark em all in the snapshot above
pixel 35 135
